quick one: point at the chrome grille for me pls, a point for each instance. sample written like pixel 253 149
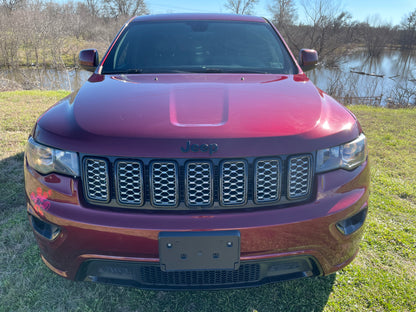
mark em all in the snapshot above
pixel 267 179
pixel 233 182
pixel 199 179
pixel 96 179
pixel 186 184
pixel 299 176
pixel 129 180
pixel 164 183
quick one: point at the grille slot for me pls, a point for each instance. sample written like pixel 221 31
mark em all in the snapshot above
pixel 267 180
pixel 164 183
pixel 129 180
pixel 152 275
pixel 299 176
pixel 193 184
pixel 199 183
pixel 233 182
pixel 96 179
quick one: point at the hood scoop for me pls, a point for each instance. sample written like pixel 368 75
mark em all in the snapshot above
pixel 199 107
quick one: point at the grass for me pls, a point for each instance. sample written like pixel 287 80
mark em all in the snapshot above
pixel 381 278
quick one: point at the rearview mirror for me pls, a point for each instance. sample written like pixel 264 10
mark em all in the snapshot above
pixel 88 59
pixel 308 59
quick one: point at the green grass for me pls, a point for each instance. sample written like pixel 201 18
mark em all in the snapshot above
pixel 381 278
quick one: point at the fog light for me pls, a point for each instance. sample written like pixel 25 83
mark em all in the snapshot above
pixel 106 271
pixel 47 230
pixel 301 266
pixel 352 224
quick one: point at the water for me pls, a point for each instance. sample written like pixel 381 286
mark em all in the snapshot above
pixel 356 78
pixel 362 79
pixel 46 78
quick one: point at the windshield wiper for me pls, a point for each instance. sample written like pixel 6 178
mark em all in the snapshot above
pixel 124 71
pixel 134 71
pixel 199 70
pixel 230 70
pixel 212 70
pixel 245 71
pixel 146 71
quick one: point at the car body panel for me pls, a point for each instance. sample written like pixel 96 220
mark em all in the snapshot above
pixel 168 118
pixel 268 232
pixel 210 117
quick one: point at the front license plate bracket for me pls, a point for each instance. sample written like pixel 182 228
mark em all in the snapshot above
pixel 193 251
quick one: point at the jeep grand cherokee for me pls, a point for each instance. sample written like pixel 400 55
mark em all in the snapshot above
pixel 197 155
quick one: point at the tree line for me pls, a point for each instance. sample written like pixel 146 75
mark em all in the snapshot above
pixel 329 29
pixel 44 32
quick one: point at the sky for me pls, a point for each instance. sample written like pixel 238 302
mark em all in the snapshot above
pixel 388 11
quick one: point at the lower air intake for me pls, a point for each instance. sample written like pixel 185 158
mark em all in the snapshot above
pixel 152 275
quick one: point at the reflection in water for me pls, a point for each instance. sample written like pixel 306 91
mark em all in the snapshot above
pixel 46 78
pixel 371 80
pixel 357 79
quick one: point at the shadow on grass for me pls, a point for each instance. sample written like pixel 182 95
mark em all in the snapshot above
pixel 23 273
pixel 309 294
pixel 11 182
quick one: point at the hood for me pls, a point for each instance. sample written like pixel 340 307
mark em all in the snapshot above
pixel 199 107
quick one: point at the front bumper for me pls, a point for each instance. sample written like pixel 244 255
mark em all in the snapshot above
pixel 117 246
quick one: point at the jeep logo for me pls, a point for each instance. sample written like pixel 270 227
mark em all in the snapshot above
pixel 210 148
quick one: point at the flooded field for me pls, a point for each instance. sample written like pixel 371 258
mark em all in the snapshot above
pixel 354 78
pixel 358 78
pixel 28 78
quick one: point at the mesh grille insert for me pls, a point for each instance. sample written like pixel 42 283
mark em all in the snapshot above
pixel 299 176
pixel 199 180
pixel 187 184
pixel 96 179
pixel 129 182
pixel 267 179
pixel 164 183
pixel 234 182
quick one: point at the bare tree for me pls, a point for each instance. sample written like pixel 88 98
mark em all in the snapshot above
pixel 408 31
pixel 12 5
pixel 376 35
pixel 94 7
pixel 9 42
pixel 325 26
pixel 241 6
pixel 284 16
pixel 317 11
pixel 125 8
pixel 284 13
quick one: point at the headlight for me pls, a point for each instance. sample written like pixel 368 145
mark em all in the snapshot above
pixel 45 159
pixel 347 156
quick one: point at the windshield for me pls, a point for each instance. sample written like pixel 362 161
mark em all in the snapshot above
pixel 199 47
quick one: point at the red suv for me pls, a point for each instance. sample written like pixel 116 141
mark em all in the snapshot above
pixel 197 155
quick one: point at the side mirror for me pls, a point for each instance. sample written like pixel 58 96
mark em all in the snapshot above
pixel 308 59
pixel 88 59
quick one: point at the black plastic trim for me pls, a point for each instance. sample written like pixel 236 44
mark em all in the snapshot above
pixel 352 224
pixel 47 230
pixel 250 274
